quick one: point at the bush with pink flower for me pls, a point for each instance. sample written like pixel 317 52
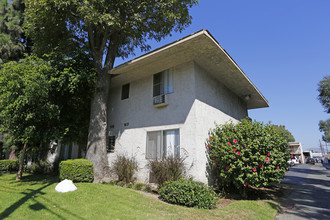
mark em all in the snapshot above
pixel 248 153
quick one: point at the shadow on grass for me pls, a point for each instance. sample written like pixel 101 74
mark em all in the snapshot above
pixel 32 193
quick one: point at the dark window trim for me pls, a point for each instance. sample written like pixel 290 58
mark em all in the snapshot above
pixel 125 91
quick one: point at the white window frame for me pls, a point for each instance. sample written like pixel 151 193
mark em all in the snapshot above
pixel 159 148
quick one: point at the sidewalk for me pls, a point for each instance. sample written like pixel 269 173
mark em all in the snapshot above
pixel 326 165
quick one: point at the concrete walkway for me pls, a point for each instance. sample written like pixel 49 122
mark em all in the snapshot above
pixel 310 197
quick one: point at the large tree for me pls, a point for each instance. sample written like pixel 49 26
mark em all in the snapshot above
pixel 324 93
pixel 105 30
pixel 43 100
pixel 324 127
pixel 286 134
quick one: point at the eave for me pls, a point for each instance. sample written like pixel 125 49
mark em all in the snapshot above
pixel 204 50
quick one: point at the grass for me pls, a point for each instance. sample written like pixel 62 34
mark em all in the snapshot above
pixel 34 197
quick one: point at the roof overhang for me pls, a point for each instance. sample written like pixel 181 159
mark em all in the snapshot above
pixel 204 50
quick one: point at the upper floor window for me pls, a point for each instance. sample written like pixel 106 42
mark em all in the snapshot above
pixel 163 83
pixel 125 91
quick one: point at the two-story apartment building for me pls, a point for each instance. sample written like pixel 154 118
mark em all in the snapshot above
pixel 164 102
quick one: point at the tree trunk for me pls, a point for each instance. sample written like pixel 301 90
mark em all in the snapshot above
pixel 21 163
pixel 96 145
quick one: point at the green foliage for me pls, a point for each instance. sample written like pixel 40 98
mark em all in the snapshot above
pixel 41 167
pixel 103 27
pixel 11 32
pixel 8 165
pixel 147 188
pixel 324 93
pixel 129 185
pixel 43 100
pixel 124 168
pixel 138 186
pixel 324 127
pixel 121 183
pixel 188 193
pixel 77 170
pixel 25 110
pixel 284 133
pixel 167 169
pixel 247 153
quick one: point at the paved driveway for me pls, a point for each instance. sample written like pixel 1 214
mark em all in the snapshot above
pixel 310 197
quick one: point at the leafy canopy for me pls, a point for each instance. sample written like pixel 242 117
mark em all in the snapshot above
pixel 324 93
pixel 246 153
pixel 324 127
pixel 45 100
pixel 284 133
pixel 110 28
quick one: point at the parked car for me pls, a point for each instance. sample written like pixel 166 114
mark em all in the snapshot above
pixel 311 161
pixel 293 161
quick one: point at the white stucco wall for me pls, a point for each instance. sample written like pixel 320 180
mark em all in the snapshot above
pixel 198 101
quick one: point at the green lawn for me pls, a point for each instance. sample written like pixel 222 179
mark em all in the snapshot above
pixel 35 198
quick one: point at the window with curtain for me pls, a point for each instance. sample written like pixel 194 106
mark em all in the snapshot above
pixel 162 144
pixel 163 83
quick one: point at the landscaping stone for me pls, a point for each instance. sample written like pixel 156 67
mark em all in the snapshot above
pixel 65 186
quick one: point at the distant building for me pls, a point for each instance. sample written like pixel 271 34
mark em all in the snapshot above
pixel 296 150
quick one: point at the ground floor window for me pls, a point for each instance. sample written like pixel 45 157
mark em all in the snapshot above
pixel 161 144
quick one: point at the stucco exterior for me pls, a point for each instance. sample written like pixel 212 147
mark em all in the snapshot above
pixel 198 101
pixel 202 96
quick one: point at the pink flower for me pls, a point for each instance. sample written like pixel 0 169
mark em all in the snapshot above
pixel 267 159
pixel 291 155
pixel 268 154
pixel 238 153
pixel 245 184
pixel 207 146
pixel 235 150
pixel 213 155
pixel 261 166
pixel 235 141
pixel 227 168
pixel 254 169
pixel 277 167
pixel 245 145
pixel 229 144
pixel 215 166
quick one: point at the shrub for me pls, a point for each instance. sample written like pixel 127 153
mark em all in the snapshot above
pixel 77 170
pixel 121 184
pixel 8 165
pixel 167 169
pixel 41 167
pixel 129 185
pixel 138 186
pixel 147 188
pixel 247 153
pixel 188 193
pixel 124 168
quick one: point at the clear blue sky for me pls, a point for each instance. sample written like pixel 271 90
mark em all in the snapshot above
pixel 283 46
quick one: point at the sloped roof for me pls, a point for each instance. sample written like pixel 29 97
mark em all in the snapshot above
pixel 202 48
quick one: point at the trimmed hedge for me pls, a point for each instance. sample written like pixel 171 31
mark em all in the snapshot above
pixel 77 170
pixel 8 165
pixel 188 193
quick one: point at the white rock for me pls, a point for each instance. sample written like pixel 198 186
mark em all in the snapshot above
pixel 65 186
